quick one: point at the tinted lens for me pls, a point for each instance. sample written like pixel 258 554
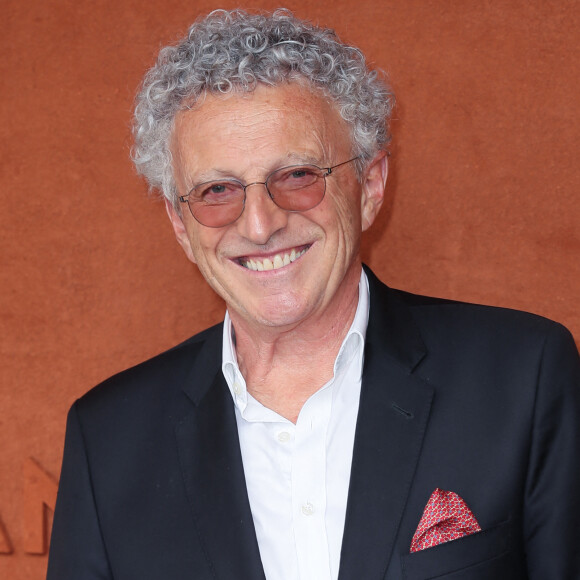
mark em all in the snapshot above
pixel 217 203
pixel 297 188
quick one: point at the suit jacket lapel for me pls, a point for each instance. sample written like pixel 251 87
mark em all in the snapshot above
pixel 393 414
pixel 211 464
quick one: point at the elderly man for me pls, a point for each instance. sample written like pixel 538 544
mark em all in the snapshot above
pixel 331 427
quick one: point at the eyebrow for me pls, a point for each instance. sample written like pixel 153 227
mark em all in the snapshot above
pixel 289 160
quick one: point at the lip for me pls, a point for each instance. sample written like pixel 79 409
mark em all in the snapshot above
pixel 272 261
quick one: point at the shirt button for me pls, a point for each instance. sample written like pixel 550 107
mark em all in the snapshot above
pixel 308 509
pixel 284 437
pixel 237 388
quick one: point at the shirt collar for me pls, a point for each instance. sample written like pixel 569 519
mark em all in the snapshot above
pixel 352 345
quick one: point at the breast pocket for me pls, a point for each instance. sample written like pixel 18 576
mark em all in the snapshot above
pixel 488 554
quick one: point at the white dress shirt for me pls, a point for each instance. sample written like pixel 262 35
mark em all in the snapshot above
pixel 297 475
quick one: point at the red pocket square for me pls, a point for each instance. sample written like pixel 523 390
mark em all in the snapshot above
pixel 446 517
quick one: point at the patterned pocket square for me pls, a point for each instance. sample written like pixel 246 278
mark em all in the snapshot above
pixel 446 517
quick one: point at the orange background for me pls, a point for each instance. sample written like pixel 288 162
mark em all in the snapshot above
pixel 482 194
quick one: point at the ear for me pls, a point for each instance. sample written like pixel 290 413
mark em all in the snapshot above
pixel 373 189
pixel 180 230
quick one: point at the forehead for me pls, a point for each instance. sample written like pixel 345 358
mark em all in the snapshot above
pixel 240 132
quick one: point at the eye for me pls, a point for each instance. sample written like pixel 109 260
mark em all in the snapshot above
pixel 302 173
pixel 218 192
pixel 217 188
pixel 291 178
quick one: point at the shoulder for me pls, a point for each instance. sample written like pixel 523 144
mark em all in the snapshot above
pixel 463 319
pixel 493 345
pixel 157 380
pixel 444 317
pixel 455 330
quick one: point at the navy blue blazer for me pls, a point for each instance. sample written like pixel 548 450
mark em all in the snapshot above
pixel 481 401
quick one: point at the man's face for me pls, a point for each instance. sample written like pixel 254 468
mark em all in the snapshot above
pixel 246 137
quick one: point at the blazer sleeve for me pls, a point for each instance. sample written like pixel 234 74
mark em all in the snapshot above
pixel 552 495
pixel 76 548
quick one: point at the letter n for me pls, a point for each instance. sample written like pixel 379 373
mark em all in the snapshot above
pixel 39 492
pixel 5 543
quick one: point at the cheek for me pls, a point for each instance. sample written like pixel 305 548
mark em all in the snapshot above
pixel 206 246
pixel 348 212
pixel 199 246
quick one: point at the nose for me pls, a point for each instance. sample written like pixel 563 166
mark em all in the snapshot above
pixel 261 217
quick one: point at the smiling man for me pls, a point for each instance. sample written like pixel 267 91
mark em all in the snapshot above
pixel 290 278
pixel 331 427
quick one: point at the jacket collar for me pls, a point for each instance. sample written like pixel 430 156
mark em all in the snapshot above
pixel 392 327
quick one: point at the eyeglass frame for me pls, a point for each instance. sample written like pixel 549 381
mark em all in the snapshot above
pixel 328 171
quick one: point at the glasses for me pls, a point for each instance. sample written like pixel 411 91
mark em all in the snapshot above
pixel 219 203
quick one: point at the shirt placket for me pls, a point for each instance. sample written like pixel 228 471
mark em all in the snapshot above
pixel 309 488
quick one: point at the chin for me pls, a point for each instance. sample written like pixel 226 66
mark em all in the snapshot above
pixel 279 315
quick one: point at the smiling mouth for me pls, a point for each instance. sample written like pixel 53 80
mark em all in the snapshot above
pixel 278 261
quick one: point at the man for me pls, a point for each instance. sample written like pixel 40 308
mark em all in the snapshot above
pixel 331 427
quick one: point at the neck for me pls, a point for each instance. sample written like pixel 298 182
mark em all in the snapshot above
pixel 283 367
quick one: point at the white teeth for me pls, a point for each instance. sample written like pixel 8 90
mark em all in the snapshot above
pixel 279 261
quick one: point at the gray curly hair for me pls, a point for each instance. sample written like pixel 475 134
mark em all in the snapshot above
pixel 236 51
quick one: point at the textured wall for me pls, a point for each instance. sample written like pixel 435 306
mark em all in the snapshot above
pixel 482 196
